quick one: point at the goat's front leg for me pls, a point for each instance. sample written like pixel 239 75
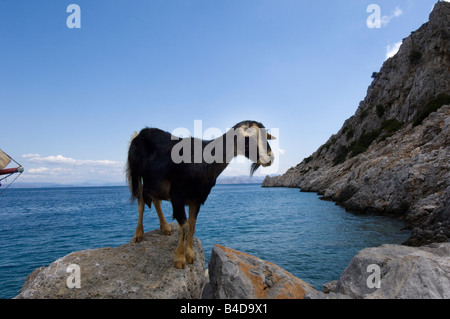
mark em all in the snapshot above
pixel 180 215
pixel 180 258
pixel 193 212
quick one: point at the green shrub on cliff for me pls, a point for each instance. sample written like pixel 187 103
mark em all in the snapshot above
pixel 380 110
pixel 361 145
pixel 431 107
pixel 341 155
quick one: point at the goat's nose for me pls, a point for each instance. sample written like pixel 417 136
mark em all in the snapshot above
pixel 267 162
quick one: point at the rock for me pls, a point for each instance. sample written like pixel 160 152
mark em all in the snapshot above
pixel 434 223
pixel 404 273
pixel 237 275
pixel 329 287
pixel 382 160
pixel 143 270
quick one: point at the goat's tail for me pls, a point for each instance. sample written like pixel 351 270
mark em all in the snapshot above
pixel 134 179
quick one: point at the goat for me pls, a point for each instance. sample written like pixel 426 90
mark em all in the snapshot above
pixel 154 175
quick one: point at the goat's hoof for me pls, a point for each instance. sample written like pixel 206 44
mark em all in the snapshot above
pixel 166 230
pixel 180 260
pixel 190 257
pixel 138 238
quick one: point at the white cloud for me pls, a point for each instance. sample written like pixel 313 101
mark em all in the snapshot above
pixel 392 50
pixel 398 12
pixel 38 170
pixel 66 170
pixel 385 20
pixel 42 171
pixel 30 155
pixel 59 159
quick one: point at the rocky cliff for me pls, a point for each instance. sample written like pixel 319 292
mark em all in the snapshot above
pixel 392 157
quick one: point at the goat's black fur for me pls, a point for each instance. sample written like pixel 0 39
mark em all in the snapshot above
pixel 151 167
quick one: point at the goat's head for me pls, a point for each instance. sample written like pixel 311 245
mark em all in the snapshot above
pixel 251 140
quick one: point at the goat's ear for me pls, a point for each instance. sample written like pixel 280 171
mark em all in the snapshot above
pixel 270 137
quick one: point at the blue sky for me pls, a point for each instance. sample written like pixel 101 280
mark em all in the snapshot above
pixel 70 98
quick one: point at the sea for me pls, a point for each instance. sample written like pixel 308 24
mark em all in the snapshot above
pixel 313 239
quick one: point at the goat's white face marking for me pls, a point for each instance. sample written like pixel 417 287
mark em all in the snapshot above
pixel 266 156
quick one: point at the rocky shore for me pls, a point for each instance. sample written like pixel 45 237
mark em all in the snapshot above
pixel 145 271
pixel 393 156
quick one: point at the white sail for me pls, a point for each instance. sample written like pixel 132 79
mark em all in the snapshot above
pixel 4 160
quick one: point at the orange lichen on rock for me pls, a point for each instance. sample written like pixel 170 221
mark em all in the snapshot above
pixel 266 280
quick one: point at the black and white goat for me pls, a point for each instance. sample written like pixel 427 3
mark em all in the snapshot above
pixel 164 167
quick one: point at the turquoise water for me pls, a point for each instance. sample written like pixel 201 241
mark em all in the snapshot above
pixel 313 239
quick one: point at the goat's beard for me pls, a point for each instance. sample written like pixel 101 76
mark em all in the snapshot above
pixel 254 167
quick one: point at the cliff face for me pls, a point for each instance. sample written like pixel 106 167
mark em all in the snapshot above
pixel 393 156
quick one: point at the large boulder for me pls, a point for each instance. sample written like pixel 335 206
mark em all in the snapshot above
pixel 143 270
pixel 403 273
pixel 237 275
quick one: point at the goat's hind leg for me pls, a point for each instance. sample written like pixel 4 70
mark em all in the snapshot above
pixel 139 233
pixel 163 225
